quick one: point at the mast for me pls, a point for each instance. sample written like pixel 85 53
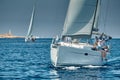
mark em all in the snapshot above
pixel 95 17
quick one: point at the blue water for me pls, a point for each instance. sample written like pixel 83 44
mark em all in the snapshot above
pixel 31 61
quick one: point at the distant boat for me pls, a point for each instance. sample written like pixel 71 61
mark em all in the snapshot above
pixel 80 24
pixel 29 36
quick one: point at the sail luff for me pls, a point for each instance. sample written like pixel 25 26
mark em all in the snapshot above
pixel 66 19
pixel 31 22
pixel 80 17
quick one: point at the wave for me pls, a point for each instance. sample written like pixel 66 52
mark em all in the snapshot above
pixel 114 59
pixel 115 71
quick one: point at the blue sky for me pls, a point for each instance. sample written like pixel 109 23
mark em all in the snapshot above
pixel 50 15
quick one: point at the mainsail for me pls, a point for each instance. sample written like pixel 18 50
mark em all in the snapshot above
pixel 29 34
pixel 82 17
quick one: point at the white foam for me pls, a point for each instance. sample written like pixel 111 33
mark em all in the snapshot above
pixel 71 68
pixel 114 59
pixel 91 66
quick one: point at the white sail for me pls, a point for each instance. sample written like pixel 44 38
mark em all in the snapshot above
pixel 80 18
pixel 29 34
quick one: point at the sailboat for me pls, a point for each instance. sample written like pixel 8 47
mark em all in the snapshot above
pixel 73 49
pixel 29 36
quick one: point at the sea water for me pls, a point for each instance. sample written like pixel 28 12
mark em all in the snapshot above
pixel 31 61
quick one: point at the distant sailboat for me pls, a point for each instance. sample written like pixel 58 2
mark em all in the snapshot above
pixel 80 24
pixel 29 36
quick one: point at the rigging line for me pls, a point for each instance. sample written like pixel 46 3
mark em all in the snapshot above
pixel 99 14
pixel 95 15
pixel 106 16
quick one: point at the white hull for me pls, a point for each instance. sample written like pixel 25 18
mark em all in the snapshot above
pixel 65 55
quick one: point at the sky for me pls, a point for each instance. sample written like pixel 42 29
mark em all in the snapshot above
pixel 50 16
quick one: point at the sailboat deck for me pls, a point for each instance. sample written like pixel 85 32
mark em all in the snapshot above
pixel 75 45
